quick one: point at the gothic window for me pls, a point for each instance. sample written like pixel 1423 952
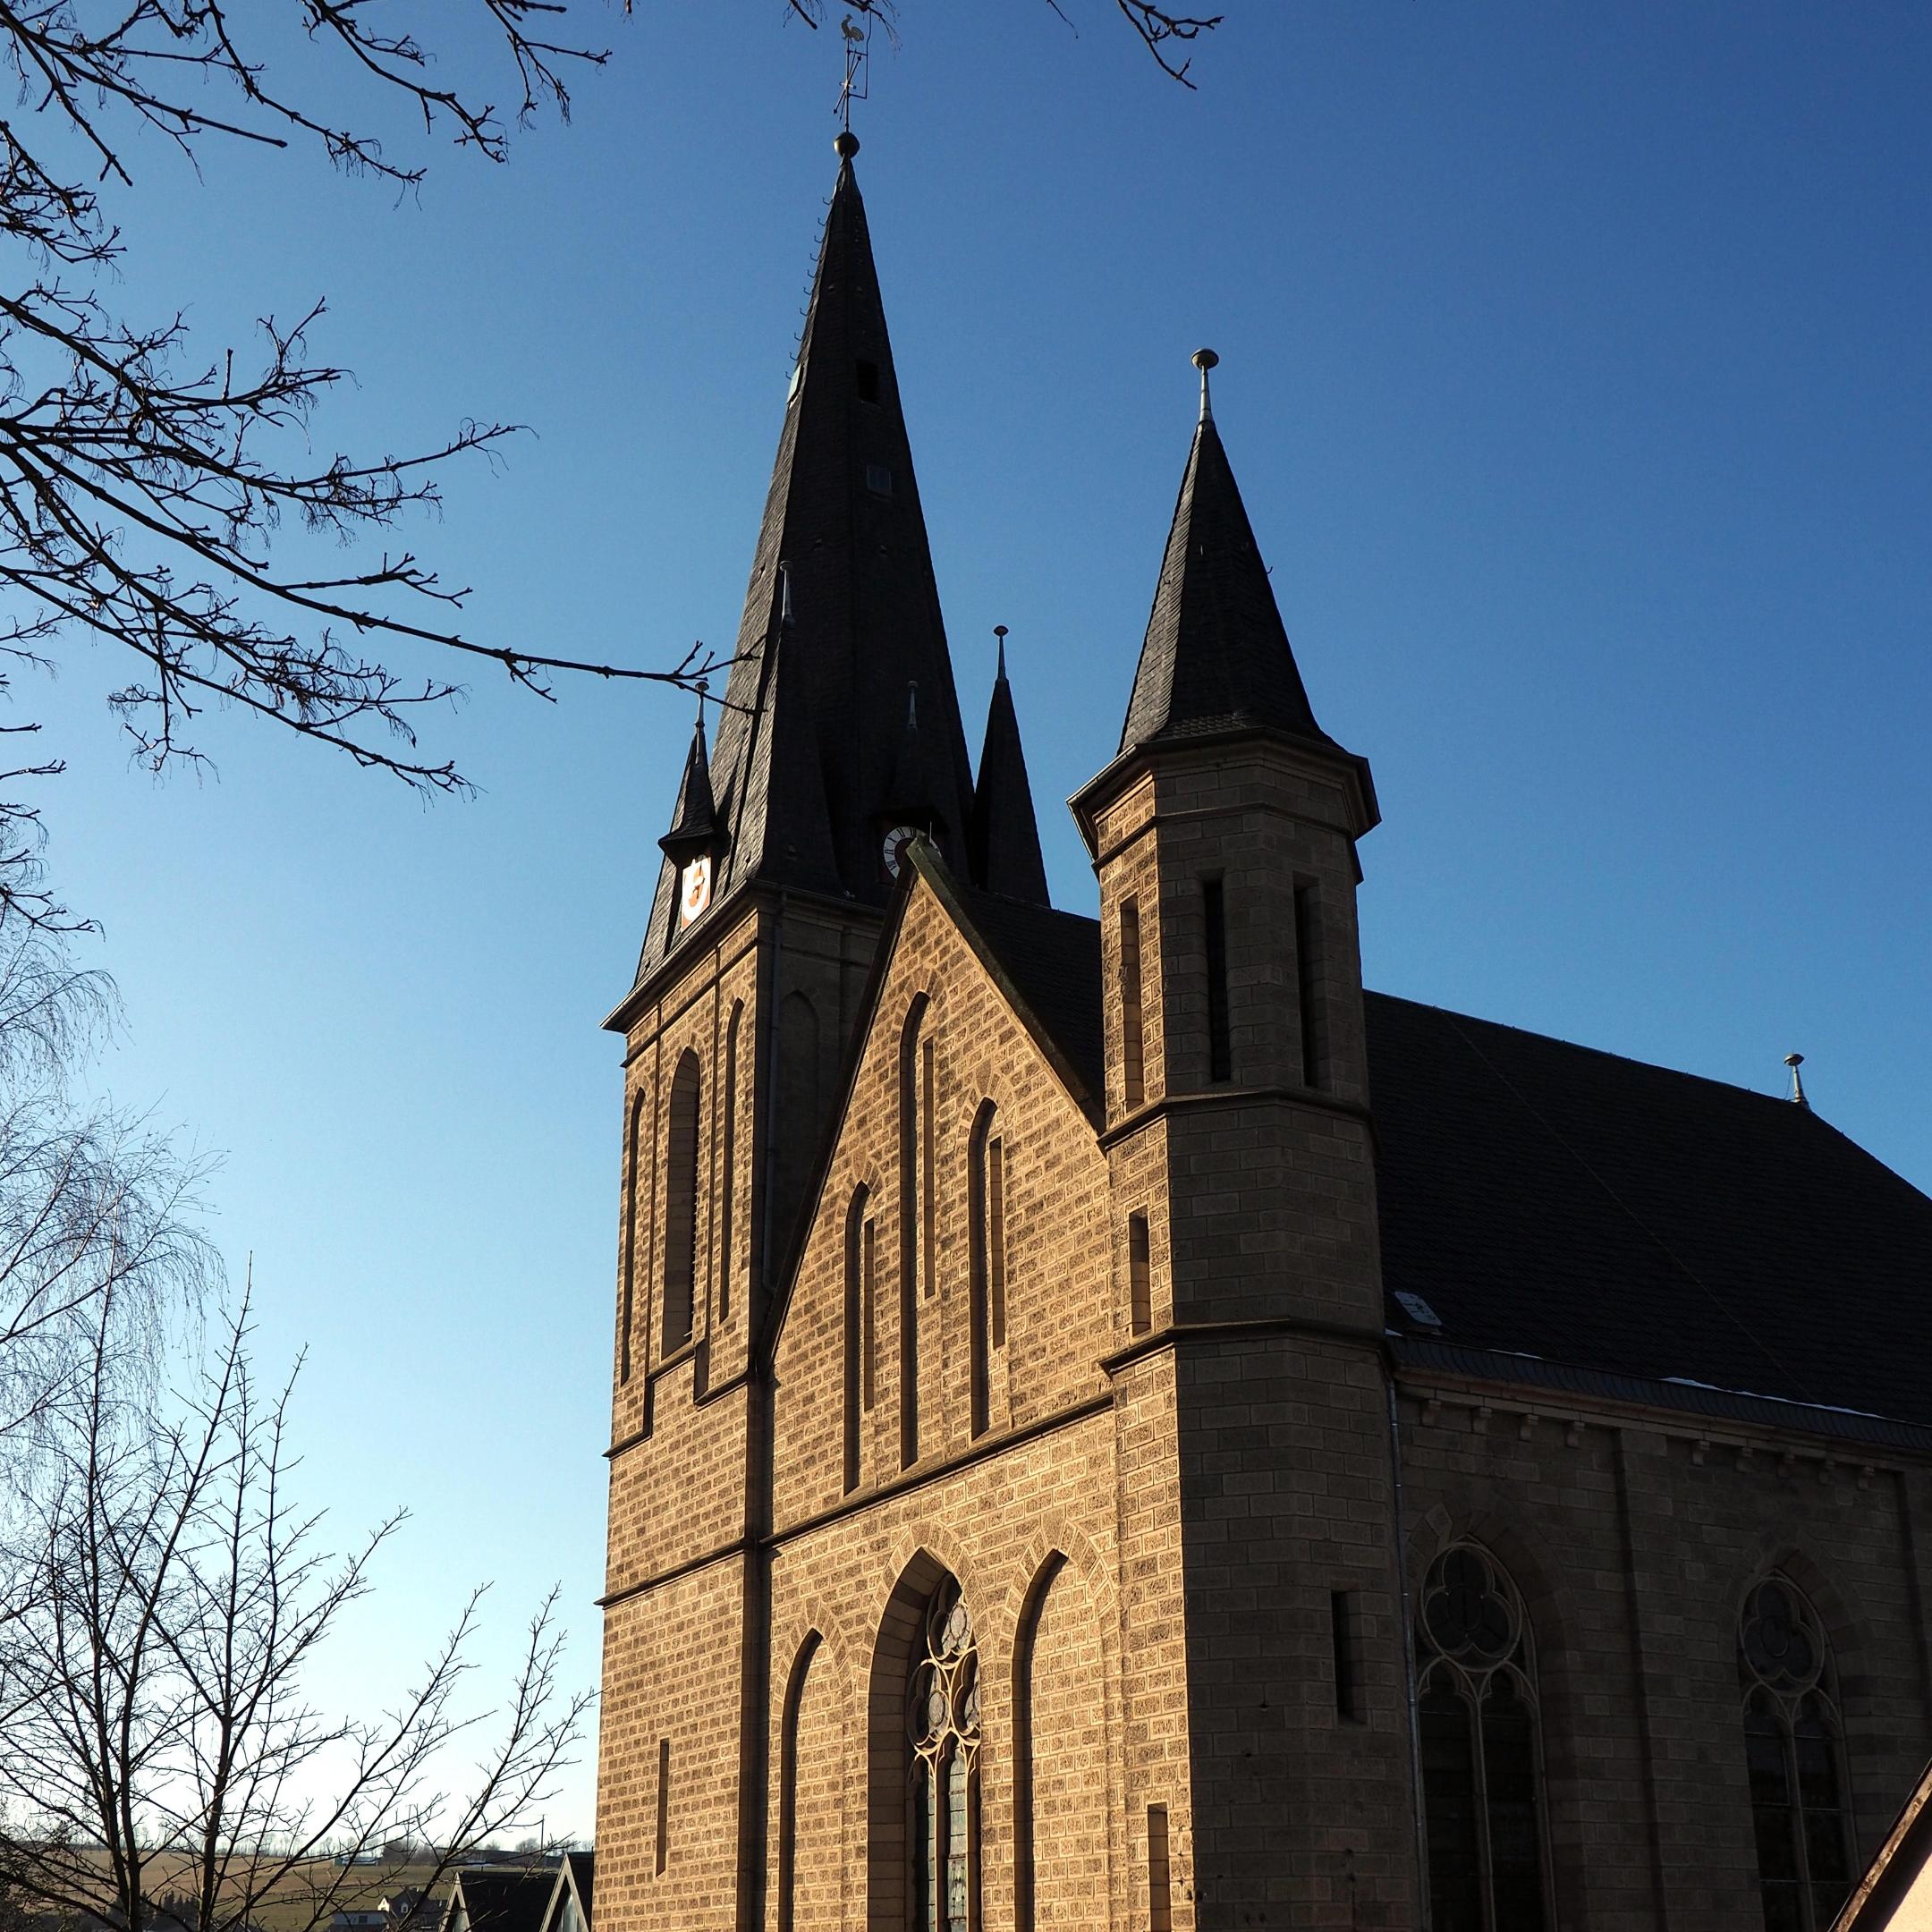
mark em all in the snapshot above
pixel 681 1204
pixel 1794 1752
pixel 1481 1761
pixel 985 1181
pixel 943 1739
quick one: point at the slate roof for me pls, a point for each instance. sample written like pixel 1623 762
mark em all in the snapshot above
pixel 1216 656
pixel 1592 1223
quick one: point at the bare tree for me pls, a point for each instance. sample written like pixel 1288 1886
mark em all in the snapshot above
pixel 143 478
pixel 98 1241
pixel 156 1736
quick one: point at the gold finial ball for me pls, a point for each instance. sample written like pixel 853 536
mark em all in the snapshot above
pixel 846 144
pixel 1205 358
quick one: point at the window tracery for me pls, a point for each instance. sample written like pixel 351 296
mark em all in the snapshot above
pixel 1794 1752
pixel 1481 1755
pixel 943 1735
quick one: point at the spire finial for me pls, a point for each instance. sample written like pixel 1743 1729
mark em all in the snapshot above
pixel 1205 359
pixel 1794 1061
pixel 703 688
pixel 857 79
pixel 999 631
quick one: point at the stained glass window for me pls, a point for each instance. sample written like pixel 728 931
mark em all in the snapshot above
pixel 1795 1757
pixel 943 1729
pixel 1481 1756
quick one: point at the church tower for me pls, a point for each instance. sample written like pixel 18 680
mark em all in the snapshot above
pixel 839 740
pixel 1243 1184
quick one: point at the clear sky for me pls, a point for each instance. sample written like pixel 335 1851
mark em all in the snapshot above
pixel 1575 367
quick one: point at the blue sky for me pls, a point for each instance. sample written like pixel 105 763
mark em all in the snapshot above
pixel 1575 367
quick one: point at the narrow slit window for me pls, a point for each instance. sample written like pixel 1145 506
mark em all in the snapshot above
pixel 981 1243
pixel 867 1288
pixel 663 1805
pixel 1133 1079
pixel 855 1325
pixel 1342 1625
pixel 866 379
pixel 1140 1274
pixel 995 1212
pixel 878 479
pixel 729 1186
pixel 909 1139
pixel 1159 1873
pixel 1307 977
pixel 1214 911
pixel 928 1204
pixel 681 1205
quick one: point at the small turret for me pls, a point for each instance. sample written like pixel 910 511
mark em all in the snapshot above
pixel 1002 843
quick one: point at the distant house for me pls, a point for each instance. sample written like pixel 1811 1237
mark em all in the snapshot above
pixel 422 1912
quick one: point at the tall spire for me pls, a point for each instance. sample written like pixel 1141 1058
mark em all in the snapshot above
pixel 1216 656
pixel 809 778
pixel 1005 848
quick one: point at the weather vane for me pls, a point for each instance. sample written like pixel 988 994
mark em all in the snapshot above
pixel 858 77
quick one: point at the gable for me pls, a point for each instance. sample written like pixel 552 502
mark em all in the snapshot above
pixel 950 1081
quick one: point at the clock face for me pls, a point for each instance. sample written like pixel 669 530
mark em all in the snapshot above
pixel 897 841
pixel 694 889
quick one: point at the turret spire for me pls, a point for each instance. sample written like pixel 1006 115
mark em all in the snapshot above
pixel 1216 656
pixel 1004 847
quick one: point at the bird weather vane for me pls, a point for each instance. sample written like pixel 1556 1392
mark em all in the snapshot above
pixel 858 76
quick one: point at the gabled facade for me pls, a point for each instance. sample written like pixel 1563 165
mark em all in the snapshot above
pixel 1116 1425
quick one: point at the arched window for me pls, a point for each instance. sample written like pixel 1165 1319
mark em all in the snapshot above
pixel 728 1186
pixel 1481 1760
pixel 637 1188
pixel 986 1215
pixel 681 1203
pixel 1794 1750
pixel 909 1221
pixel 942 1741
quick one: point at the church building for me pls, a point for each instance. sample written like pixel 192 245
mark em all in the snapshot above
pixel 1115 1425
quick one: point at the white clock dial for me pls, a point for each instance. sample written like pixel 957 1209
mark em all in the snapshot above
pixel 694 888
pixel 897 841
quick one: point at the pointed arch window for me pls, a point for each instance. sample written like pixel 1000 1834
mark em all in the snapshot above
pixel 1794 1752
pixel 1481 1748
pixel 681 1203
pixel 728 1191
pixel 943 1739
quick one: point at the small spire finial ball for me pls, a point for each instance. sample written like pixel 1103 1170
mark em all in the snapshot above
pixel 846 144
pixel 1205 358
pixel 1794 1059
